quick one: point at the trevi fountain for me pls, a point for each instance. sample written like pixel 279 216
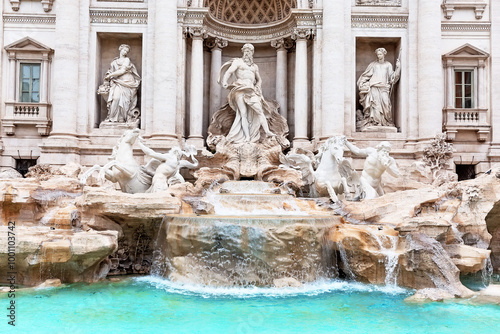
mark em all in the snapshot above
pixel 251 236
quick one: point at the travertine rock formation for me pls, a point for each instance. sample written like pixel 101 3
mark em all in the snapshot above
pixel 419 238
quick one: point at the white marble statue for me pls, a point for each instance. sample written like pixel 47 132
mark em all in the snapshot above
pixel 377 162
pixel 375 89
pixel 120 89
pixel 332 174
pixel 245 97
pixel 123 168
pixel 168 172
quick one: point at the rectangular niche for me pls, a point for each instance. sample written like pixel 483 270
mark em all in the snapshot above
pixel 365 54
pixel 107 50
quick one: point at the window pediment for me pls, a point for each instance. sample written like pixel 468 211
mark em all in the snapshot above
pixel 28 44
pixel 466 50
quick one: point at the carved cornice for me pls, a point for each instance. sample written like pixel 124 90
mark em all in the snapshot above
pixel 478 5
pixel 119 16
pixel 380 21
pixel 29 19
pixel 466 26
pixel 194 16
pixel 298 19
pixel 384 3
pixel 46 4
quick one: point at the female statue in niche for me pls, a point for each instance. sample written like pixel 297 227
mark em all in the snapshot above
pixel 120 89
pixel 375 88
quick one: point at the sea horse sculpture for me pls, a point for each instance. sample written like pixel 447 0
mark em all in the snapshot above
pixel 123 168
pixel 332 173
pixel 162 171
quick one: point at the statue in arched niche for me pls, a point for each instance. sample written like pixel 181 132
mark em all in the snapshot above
pixel 120 89
pixel 375 89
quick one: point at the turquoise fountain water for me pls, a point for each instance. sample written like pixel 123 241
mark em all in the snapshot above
pixel 156 305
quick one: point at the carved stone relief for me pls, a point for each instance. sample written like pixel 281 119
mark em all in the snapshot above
pixel 47 5
pixel 250 11
pixel 378 3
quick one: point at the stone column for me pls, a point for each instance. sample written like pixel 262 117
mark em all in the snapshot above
pixel 62 146
pixel 44 79
pixel 66 64
pixel 301 87
pixel 449 85
pixel 430 69
pixel 181 76
pixel 12 77
pixel 196 87
pixel 481 89
pixel 332 118
pixel 281 74
pixel 216 45
pixel 165 71
pixel 495 81
pixel 316 77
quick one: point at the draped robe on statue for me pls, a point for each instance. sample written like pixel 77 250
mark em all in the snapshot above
pixel 253 99
pixel 374 92
pixel 123 91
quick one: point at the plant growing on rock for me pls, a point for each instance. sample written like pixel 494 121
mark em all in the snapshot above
pixel 438 154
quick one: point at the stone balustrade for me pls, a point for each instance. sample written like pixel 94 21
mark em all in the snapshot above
pixel 17 113
pixel 466 119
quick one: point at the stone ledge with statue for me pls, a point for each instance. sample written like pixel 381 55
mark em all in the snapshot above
pixel 247 133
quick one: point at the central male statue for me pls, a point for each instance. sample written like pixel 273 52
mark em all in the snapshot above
pixel 245 97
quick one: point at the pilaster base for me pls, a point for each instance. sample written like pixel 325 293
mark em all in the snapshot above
pixel 303 143
pixel 199 143
pixel 60 150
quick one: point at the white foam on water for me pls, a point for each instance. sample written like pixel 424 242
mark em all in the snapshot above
pixel 282 206
pixel 308 289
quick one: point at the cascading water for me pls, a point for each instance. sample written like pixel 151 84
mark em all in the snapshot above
pixel 257 235
pixel 487 272
pixel 391 257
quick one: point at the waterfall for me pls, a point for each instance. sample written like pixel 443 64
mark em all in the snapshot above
pixel 487 272
pixel 391 258
pixel 160 259
pixel 345 260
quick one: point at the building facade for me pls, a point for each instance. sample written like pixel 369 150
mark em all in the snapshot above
pixel 311 53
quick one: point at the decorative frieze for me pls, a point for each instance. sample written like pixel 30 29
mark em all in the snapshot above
pixel 29 19
pixel 464 27
pixel 262 33
pixel 386 3
pixel 119 17
pixel 380 21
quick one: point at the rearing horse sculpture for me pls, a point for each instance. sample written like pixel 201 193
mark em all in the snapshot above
pixel 123 169
pixel 332 173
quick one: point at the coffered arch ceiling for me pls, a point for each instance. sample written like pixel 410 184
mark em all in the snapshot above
pixel 249 12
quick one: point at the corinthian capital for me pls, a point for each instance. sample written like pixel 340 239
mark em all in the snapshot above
pixel 216 43
pixel 195 32
pixel 281 44
pixel 302 33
